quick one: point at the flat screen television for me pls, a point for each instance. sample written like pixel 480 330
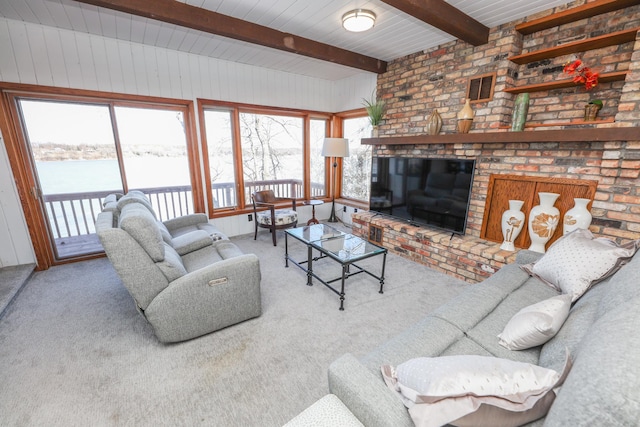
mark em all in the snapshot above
pixel 423 191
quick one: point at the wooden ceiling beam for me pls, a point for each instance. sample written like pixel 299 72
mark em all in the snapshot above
pixel 445 17
pixel 184 15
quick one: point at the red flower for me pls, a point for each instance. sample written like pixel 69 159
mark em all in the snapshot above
pixel 583 75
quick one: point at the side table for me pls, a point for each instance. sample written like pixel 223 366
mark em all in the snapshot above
pixel 313 204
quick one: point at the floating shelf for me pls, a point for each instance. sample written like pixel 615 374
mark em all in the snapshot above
pixel 617 38
pixel 574 14
pixel 563 135
pixel 565 123
pixel 561 84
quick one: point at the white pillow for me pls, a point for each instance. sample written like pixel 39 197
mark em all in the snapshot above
pixel 440 390
pixel 577 261
pixel 536 324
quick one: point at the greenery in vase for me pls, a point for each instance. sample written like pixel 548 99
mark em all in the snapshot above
pixel 375 109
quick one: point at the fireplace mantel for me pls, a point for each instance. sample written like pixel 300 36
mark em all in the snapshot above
pixel 563 135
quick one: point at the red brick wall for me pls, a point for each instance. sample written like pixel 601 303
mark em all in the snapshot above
pixel 437 78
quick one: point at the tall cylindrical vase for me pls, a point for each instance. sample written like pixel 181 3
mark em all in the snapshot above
pixel 543 221
pixel 512 223
pixel 577 217
pixel 520 110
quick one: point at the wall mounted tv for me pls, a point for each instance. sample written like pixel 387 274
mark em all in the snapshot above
pixel 423 191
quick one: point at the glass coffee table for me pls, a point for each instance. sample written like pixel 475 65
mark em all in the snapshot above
pixel 346 249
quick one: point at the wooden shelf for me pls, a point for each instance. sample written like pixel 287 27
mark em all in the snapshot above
pixel 563 135
pixel 565 123
pixel 564 83
pixel 574 14
pixel 617 38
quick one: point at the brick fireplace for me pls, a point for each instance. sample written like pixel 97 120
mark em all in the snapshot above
pixel 556 142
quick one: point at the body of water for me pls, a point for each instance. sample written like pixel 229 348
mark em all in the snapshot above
pixel 80 176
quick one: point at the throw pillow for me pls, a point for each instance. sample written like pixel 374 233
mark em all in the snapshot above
pixel 441 390
pixel 577 261
pixel 536 324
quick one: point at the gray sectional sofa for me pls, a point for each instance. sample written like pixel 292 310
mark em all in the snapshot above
pixel 186 278
pixel 601 334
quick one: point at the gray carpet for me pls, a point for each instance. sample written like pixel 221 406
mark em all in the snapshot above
pixel 74 350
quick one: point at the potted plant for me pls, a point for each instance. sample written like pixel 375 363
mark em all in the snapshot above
pixel 591 109
pixel 375 109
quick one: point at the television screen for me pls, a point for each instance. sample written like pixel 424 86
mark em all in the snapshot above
pixel 423 191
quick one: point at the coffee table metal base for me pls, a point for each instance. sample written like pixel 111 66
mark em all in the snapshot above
pixel 307 265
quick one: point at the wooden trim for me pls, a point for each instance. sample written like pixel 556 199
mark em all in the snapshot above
pixel 188 16
pixel 580 122
pixel 193 156
pixel 504 187
pixel 564 135
pixel 605 40
pixel 19 159
pixel 306 157
pixel 588 10
pixel 481 77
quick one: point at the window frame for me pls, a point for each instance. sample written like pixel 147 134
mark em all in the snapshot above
pixel 11 126
pixel 338 126
pixel 244 205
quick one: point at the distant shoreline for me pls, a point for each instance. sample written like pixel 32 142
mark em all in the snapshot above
pixel 48 152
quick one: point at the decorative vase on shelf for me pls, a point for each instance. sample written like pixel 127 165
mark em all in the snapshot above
pixel 577 217
pixel 591 112
pixel 543 221
pixel 520 110
pixel 465 117
pixel 512 223
pixel 434 123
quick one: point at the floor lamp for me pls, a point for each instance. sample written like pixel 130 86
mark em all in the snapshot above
pixel 335 147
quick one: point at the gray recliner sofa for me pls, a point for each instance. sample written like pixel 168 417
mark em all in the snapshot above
pixel 601 335
pixel 187 279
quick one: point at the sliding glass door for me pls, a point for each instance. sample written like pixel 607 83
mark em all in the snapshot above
pixel 82 151
pixel 76 165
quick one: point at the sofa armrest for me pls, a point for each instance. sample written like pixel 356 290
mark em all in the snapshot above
pixel 185 221
pixel 526 256
pixel 192 241
pixel 366 395
pixel 211 298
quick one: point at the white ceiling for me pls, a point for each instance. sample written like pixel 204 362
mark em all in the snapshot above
pixel 396 34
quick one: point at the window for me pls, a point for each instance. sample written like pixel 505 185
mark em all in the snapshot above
pixel 272 154
pixel 84 148
pixel 318 131
pixel 356 169
pixel 253 148
pixel 480 88
pixel 222 170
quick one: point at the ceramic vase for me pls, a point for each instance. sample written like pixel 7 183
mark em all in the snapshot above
pixel 520 110
pixel 512 223
pixel 577 217
pixel 434 123
pixel 543 221
pixel 465 117
pixel 591 112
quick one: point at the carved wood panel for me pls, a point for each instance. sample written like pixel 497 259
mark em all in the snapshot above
pixel 503 188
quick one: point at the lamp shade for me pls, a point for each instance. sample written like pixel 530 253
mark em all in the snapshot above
pixel 335 147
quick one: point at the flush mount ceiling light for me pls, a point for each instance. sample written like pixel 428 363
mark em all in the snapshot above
pixel 358 20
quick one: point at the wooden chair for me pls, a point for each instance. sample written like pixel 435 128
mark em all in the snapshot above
pixel 267 216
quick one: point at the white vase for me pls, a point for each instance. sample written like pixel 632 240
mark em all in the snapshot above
pixel 577 217
pixel 543 221
pixel 512 223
